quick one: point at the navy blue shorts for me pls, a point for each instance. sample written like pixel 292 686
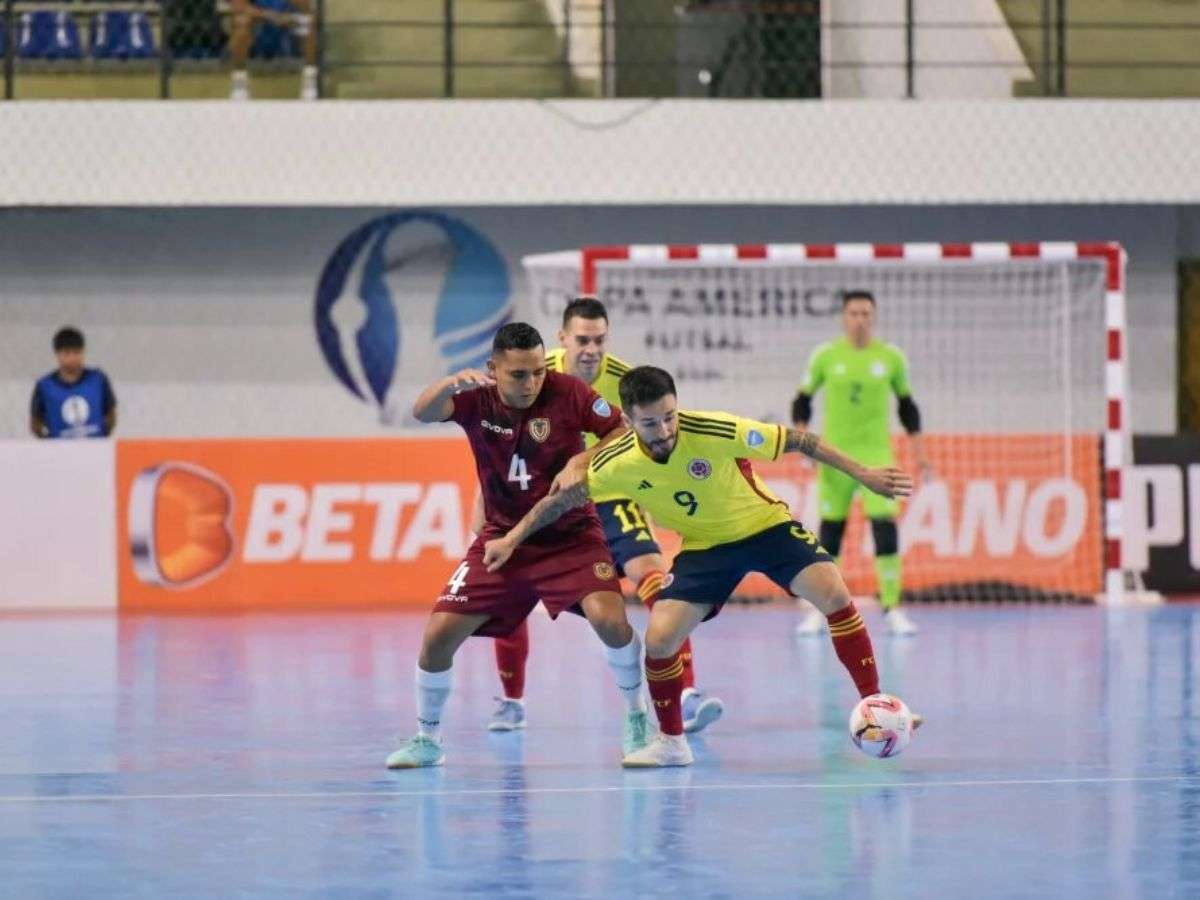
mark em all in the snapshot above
pixel 710 576
pixel 626 530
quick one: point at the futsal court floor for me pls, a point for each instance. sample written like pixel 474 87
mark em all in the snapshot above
pixel 242 756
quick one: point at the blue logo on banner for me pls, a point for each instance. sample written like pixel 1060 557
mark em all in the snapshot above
pixel 405 258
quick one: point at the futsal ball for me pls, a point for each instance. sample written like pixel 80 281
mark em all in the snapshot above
pixel 881 726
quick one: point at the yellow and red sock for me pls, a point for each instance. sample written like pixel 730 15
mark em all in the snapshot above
pixel 664 677
pixel 648 590
pixel 511 653
pixel 853 646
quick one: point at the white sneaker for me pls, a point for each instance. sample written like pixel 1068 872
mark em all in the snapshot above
pixel 240 88
pixel 308 83
pixel 699 711
pixel 899 623
pixel 662 750
pixel 813 625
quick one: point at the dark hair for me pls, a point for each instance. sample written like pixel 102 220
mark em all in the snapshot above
pixel 645 384
pixel 586 307
pixel 516 336
pixel 68 338
pixel 857 294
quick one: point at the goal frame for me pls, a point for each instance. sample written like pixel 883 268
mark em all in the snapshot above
pixel 1116 437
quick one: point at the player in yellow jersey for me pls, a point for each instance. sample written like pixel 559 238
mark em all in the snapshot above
pixel 693 472
pixel 584 354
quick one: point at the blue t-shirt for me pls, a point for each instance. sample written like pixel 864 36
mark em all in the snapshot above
pixel 75 410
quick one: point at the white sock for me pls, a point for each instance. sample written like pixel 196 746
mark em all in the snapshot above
pixel 626 665
pixel 432 690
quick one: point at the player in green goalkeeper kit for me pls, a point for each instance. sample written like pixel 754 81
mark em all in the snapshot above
pixel 860 374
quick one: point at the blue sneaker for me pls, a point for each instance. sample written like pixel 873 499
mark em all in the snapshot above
pixel 637 726
pixel 417 753
pixel 509 715
pixel 699 711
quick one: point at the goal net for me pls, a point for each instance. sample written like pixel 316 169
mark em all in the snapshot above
pixel 1016 357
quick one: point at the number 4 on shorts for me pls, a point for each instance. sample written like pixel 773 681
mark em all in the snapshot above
pixel 458 579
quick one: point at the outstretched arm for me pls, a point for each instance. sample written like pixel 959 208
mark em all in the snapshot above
pixel 887 481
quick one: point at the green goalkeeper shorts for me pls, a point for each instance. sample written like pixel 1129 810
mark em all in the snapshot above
pixel 835 490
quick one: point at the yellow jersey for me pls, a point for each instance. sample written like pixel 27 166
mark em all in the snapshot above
pixel 706 490
pixel 606 384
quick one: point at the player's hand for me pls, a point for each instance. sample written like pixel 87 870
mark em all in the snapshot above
pixel 496 552
pixel 470 379
pixel 889 482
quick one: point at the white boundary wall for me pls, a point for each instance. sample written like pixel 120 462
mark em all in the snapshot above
pixel 571 152
pixel 58 542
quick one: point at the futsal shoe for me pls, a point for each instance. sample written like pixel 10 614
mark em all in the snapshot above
pixel 417 753
pixel 898 623
pixel 637 725
pixel 813 624
pixel 509 715
pixel 699 711
pixel 663 750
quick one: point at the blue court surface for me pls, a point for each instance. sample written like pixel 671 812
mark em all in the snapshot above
pixel 243 756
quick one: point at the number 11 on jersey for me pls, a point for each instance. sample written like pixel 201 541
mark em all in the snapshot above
pixel 519 472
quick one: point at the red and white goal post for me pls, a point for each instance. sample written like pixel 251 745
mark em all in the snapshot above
pixel 1017 357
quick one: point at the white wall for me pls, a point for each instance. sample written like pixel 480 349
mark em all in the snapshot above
pixel 57 525
pixel 519 153
pixel 865 50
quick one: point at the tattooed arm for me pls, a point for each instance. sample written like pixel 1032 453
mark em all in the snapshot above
pixel 545 512
pixel 887 481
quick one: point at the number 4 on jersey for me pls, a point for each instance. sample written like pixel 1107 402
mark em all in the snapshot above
pixel 517 471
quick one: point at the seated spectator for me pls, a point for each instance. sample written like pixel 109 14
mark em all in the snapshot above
pixel 268 29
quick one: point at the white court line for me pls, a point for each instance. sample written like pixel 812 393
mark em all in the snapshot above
pixel 384 794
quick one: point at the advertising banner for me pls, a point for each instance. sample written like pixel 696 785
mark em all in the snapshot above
pixel 239 524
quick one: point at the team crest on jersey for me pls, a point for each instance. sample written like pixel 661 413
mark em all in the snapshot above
pixel 601 407
pixel 604 571
pixel 878 369
pixel 699 468
pixel 754 438
pixel 539 429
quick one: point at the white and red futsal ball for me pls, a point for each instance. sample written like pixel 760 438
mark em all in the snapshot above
pixel 881 726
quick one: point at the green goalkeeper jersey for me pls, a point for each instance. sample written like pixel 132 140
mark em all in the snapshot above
pixel 859 385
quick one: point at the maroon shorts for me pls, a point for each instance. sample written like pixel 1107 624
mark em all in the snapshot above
pixel 559 574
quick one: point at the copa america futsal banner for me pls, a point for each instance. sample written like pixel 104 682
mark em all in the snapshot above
pixel 253 524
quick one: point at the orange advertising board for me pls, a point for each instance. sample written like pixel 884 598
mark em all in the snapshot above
pixel 240 524
pixel 1021 509
pixel 230 524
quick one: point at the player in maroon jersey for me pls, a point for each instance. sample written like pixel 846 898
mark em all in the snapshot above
pixel 523 424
